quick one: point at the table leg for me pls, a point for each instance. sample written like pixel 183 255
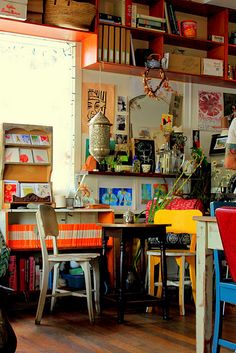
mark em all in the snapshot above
pixel 164 280
pixel 121 304
pixel 105 287
pixel 204 260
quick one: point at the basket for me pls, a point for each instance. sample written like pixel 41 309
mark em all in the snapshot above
pixel 69 14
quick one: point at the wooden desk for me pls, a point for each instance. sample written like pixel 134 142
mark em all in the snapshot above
pixel 124 232
pixel 208 238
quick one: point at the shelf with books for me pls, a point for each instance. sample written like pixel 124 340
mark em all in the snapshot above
pixel 212 21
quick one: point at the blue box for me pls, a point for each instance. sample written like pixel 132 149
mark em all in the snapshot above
pixel 74 281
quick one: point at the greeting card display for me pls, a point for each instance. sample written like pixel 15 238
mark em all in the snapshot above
pixel 40 156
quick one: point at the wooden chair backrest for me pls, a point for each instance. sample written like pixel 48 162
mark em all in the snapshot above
pixel 226 219
pixel 181 222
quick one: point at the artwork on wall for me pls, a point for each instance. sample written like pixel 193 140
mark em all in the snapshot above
pixel 210 110
pixel 218 144
pixel 196 138
pixel 116 196
pixel 96 97
pixel 145 151
pixel 146 193
pixel 121 124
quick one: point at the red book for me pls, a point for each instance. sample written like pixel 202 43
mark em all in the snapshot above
pixel 12 272
pixel 31 273
pixel 22 265
pixel 126 13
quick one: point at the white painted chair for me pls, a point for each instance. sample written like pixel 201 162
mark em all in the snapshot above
pixel 181 222
pixel 48 226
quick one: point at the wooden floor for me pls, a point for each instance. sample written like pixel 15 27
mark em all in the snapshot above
pixel 69 331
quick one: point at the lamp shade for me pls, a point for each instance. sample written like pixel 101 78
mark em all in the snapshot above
pixel 99 136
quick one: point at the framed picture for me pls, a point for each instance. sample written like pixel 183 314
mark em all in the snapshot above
pixel 218 144
pixel 145 151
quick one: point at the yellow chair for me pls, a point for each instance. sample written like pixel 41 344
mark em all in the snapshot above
pixel 181 222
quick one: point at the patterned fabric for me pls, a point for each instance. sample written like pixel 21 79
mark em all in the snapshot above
pixel 173 241
pixel 4 256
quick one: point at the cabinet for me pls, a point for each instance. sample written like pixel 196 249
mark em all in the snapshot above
pixel 27 160
pixel 78 229
pixel 211 20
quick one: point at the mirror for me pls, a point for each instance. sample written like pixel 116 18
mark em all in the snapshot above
pixel 145 116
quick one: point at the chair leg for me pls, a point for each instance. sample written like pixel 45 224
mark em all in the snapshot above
pixel 88 286
pixel 181 263
pixel 96 281
pixel 42 296
pixel 54 286
pixel 217 325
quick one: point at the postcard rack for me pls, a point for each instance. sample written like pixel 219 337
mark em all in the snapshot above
pixel 27 164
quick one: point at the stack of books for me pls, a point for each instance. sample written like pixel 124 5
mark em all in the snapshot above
pixel 150 22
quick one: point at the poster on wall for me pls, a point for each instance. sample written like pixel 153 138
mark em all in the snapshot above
pixel 96 97
pixel 115 196
pixel 210 110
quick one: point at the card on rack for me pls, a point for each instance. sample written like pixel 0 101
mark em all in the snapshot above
pixel 44 140
pixel 40 156
pixel 10 188
pixel 12 155
pixel 26 189
pixel 35 139
pixel 26 155
pixel 43 189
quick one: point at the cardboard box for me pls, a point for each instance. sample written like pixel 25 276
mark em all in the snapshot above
pixel 212 67
pixel 15 10
pixel 185 63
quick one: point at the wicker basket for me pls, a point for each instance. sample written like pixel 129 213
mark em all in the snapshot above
pixel 69 13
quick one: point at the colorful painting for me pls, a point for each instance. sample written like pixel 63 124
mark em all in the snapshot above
pixel 96 97
pixel 160 189
pixel 146 193
pixel 116 196
pixel 210 110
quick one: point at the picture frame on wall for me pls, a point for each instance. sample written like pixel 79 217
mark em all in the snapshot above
pixel 218 144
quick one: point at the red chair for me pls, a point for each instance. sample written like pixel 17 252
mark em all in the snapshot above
pixel 225 288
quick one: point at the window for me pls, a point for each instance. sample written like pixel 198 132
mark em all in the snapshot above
pixel 38 87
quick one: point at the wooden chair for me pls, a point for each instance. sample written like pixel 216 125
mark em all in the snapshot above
pixel 213 206
pixel 48 226
pixel 225 288
pixel 181 222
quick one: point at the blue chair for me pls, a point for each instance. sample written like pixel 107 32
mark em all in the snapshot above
pixel 225 288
